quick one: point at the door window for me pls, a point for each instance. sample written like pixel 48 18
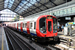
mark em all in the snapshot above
pixel 42 25
pixel 34 25
pixel 49 25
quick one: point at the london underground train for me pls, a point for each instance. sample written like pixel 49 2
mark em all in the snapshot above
pixel 40 28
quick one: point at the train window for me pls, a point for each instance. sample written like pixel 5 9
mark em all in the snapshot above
pixel 30 25
pixel 25 25
pixel 34 25
pixel 54 25
pixel 49 25
pixel 18 24
pixel 42 26
pixel 14 25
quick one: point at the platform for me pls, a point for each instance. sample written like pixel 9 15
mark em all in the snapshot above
pixel 60 33
pixel 69 41
pixel 3 41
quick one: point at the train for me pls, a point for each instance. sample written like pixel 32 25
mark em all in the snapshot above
pixel 39 28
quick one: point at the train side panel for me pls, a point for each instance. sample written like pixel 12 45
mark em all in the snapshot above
pixel 25 27
pixel 29 28
pixel 33 28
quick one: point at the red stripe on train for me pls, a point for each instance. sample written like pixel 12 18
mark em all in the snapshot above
pixel 21 27
pixel 28 31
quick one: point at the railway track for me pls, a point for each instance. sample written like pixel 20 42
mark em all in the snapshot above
pixel 48 46
pixel 16 42
pixel 23 46
pixel 52 47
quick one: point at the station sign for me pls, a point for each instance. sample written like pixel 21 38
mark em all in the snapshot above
pixel 71 23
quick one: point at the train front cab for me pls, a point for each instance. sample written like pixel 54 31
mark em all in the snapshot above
pixel 47 28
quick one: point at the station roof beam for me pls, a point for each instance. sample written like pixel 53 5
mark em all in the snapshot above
pixel 29 7
pixel 1 5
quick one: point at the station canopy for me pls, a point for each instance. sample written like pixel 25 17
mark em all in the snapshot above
pixel 29 7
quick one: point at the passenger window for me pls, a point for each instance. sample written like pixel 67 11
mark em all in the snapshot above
pixel 34 25
pixel 25 25
pixel 30 25
pixel 18 25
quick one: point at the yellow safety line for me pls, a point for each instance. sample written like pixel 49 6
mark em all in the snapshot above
pixel 2 41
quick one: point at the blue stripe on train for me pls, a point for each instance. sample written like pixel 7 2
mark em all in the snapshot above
pixel 30 33
pixel 33 34
pixel 25 31
pixel 19 29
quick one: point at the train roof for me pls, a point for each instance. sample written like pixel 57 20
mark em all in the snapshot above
pixel 32 18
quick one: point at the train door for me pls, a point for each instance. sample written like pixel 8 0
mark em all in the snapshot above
pixel 49 25
pixel 34 28
pixel 31 27
pixel 21 26
pixel 28 31
pixel 24 27
pixel 17 26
